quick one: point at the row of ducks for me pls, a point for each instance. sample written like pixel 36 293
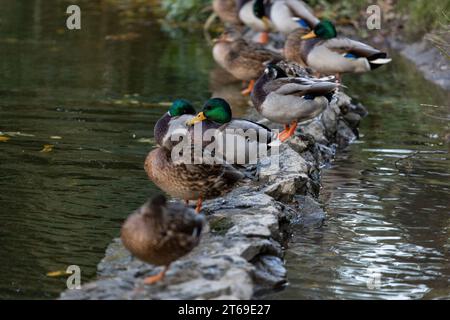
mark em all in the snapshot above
pixel 286 88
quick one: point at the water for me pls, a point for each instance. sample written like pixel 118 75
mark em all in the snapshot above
pixel 96 101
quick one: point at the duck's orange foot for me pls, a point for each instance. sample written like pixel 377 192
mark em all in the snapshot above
pixel 199 205
pixel 264 38
pixel 287 132
pixel 156 278
pixel 249 89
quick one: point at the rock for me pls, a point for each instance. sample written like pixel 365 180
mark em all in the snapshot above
pixel 240 255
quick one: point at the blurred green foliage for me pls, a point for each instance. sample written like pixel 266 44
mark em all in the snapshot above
pixel 185 10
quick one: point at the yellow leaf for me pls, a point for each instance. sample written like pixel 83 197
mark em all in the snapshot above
pixel 58 273
pixel 47 148
pixel 56 137
pixel 4 139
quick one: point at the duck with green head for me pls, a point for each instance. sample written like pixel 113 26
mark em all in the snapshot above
pixel 247 135
pixel 326 53
pixel 290 100
pixel 160 232
pixel 255 15
pixel 185 180
pixel 286 15
pixel 245 61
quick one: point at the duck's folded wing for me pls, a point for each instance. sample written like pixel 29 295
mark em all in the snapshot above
pixel 303 11
pixel 356 49
pixel 301 86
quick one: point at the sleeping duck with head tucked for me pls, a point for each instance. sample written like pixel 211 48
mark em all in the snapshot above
pixel 160 232
pixel 290 100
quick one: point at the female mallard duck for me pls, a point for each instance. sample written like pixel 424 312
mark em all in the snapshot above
pixel 327 54
pixel 289 100
pixel 160 233
pixel 245 61
pixel 255 15
pixel 249 135
pixel 180 178
pixel 227 11
pixel 286 15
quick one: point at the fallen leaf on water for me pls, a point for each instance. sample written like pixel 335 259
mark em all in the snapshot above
pixel 4 139
pixel 165 104
pixel 56 137
pixel 47 148
pixel 58 273
pixel 146 140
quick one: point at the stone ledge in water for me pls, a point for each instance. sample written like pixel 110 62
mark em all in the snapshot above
pixel 240 254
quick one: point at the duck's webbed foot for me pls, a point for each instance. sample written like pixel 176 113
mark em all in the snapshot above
pixel 249 89
pixel 287 132
pixel 264 38
pixel 199 205
pixel 156 278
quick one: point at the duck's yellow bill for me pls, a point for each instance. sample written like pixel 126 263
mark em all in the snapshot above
pixel 266 22
pixel 310 35
pixel 198 118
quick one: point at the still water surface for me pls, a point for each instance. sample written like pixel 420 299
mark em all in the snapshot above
pixel 95 99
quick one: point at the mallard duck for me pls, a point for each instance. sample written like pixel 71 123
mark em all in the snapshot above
pixel 173 120
pixel 180 178
pixel 246 136
pixel 244 60
pixel 327 54
pixel 255 14
pixel 290 100
pixel 160 233
pixel 227 11
pixel 286 15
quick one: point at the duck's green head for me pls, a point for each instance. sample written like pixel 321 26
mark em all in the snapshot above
pixel 324 29
pixel 180 107
pixel 215 109
pixel 259 9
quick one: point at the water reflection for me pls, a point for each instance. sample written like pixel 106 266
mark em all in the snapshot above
pixel 387 197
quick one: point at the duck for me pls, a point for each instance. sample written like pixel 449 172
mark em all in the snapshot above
pixel 173 121
pixel 326 53
pixel 248 137
pixel 244 60
pixel 227 11
pixel 286 15
pixel 290 100
pixel 161 232
pixel 187 179
pixel 255 15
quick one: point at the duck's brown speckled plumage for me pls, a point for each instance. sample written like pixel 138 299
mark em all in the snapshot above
pixel 245 61
pixel 227 11
pixel 189 181
pixel 160 233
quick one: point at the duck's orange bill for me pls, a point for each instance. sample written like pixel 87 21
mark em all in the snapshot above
pixel 310 35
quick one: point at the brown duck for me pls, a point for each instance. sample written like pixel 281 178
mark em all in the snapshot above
pixel 160 233
pixel 244 60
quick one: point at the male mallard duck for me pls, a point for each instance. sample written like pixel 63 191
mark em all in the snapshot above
pixel 255 14
pixel 227 11
pixel 245 61
pixel 326 53
pixel 183 180
pixel 174 119
pixel 289 100
pixel 286 15
pixel 160 233
pixel 249 135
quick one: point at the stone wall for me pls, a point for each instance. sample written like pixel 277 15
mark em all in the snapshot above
pixel 241 252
